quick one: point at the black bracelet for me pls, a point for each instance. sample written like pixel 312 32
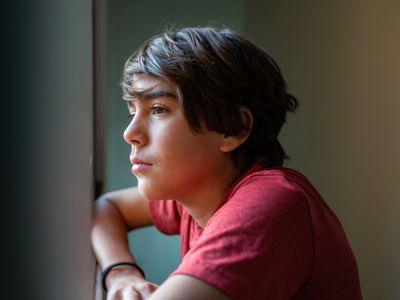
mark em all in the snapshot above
pixel 110 267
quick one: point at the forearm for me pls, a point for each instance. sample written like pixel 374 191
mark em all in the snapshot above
pixel 115 214
pixel 109 234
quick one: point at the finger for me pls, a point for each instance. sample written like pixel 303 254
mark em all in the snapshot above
pixel 114 295
pixel 123 294
pixel 130 294
pixel 147 289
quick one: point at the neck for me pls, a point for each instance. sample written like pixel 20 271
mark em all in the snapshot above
pixel 208 197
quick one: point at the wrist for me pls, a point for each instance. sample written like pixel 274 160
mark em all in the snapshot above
pixel 118 271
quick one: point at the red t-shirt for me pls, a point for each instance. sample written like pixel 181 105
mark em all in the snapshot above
pixel 273 237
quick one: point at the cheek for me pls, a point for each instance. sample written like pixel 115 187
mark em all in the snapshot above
pixel 173 137
pixel 175 143
pixel 196 151
pixel 176 147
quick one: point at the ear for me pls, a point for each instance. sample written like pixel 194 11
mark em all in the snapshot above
pixel 231 142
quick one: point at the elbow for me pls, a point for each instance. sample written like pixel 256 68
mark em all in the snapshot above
pixel 102 202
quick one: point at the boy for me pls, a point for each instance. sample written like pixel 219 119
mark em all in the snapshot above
pixel 206 109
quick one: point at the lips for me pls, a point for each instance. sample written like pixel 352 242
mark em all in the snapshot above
pixel 138 161
pixel 139 165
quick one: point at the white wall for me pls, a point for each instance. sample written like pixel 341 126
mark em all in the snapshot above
pixel 341 59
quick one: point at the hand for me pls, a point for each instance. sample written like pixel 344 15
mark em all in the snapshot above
pixel 127 283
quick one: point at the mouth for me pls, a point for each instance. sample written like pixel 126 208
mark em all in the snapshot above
pixel 139 165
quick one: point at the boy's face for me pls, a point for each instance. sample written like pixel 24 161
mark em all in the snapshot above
pixel 169 160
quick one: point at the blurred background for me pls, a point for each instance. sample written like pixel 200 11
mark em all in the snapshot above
pixel 64 120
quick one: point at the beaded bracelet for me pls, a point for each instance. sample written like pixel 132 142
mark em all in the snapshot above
pixel 110 267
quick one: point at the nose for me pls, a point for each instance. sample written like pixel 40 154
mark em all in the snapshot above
pixel 134 134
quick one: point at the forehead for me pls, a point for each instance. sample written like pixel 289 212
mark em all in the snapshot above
pixel 145 83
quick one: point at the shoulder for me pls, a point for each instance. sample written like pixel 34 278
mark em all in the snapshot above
pixel 272 179
pixel 267 194
pixel 267 207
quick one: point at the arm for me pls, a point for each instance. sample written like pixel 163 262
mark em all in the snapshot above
pixel 183 287
pixel 115 214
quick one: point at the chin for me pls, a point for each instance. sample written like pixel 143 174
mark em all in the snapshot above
pixel 148 194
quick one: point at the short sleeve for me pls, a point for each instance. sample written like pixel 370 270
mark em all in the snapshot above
pixel 166 215
pixel 257 246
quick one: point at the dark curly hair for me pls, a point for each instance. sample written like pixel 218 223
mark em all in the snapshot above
pixel 216 72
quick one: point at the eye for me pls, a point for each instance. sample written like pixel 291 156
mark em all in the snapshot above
pixel 131 115
pixel 158 110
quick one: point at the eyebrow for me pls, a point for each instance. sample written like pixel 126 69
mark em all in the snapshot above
pixel 150 95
